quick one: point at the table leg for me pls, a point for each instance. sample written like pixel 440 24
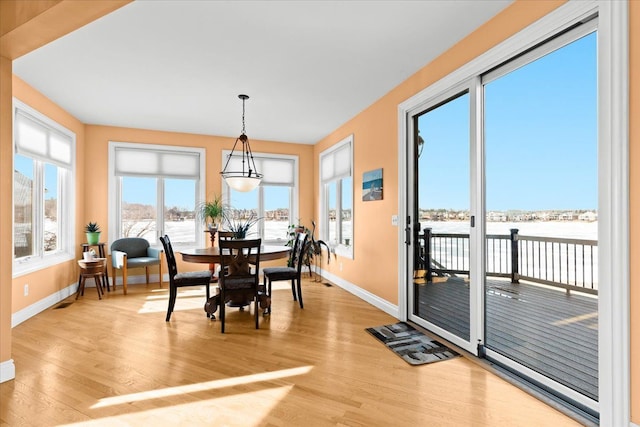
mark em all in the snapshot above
pixel 98 281
pixel 105 275
pixel 79 285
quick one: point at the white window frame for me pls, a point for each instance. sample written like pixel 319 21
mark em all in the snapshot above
pixel 293 189
pixel 327 155
pixel 66 199
pixel 115 188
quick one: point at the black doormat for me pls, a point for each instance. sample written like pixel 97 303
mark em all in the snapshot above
pixel 412 345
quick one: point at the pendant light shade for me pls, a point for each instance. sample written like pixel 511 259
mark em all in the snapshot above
pixel 243 177
pixel 242 183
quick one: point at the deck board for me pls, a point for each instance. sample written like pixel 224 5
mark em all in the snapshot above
pixel 548 330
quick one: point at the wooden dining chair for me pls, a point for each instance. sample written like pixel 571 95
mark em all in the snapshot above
pixel 177 280
pixel 239 274
pixel 292 272
pixel 225 235
pixel 222 235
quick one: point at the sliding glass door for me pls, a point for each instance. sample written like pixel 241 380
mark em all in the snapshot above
pixel 442 218
pixel 541 177
pixel 502 225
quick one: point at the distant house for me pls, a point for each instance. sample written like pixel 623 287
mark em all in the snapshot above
pixel 567 216
pixel 496 217
pixel 547 216
pixel 588 216
pixel 523 217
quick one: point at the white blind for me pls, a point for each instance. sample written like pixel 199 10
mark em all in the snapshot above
pixel 276 171
pixel 36 139
pixel 336 163
pixel 153 162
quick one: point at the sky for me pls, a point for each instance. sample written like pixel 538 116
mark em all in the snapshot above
pixel 540 138
pixel 24 165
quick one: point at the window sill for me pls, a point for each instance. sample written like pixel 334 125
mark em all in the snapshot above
pixel 36 264
pixel 343 251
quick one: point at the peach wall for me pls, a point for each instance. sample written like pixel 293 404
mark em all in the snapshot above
pixel 43 283
pixel 6 212
pixel 98 137
pixel 22 12
pixel 26 25
pixel 374 236
pixel 634 203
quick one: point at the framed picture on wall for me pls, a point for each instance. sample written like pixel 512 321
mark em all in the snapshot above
pixel 372 185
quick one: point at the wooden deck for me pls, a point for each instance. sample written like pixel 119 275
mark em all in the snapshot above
pixel 546 329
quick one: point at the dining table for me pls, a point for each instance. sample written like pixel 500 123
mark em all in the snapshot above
pixel 211 256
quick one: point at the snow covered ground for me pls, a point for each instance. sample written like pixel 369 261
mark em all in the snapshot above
pixel 572 264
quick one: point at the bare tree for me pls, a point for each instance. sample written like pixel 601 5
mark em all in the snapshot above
pixel 137 219
pixel 51 209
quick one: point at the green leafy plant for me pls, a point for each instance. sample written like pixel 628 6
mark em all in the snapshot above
pixel 313 247
pixel 92 227
pixel 92 230
pixel 239 226
pixel 212 211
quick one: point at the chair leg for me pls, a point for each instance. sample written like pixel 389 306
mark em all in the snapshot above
pixel 293 290
pixel 267 288
pixel 124 279
pixel 300 292
pixel 146 272
pixel 160 272
pixel 257 305
pixel 113 277
pixel 222 310
pixel 172 301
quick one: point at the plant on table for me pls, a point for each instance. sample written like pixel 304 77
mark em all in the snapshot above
pixel 239 223
pixel 92 229
pixel 211 211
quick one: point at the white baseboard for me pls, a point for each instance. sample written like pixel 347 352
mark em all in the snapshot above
pixel 633 425
pixel 40 306
pixel 135 280
pixel 367 296
pixel 7 370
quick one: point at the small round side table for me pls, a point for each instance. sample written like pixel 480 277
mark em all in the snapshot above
pixel 101 254
pixel 94 268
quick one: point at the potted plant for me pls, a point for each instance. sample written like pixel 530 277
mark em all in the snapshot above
pixel 239 226
pixel 211 211
pixel 93 233
pixel 313 248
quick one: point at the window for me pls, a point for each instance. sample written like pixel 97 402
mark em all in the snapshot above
pixel 336 193
pixel 274 201
pixel 153 192
pixel 43 198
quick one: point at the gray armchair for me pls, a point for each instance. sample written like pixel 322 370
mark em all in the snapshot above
pixel 133 252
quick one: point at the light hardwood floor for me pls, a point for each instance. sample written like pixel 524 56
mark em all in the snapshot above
pixel 117 362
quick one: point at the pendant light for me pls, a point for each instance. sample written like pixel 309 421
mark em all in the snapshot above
pixel 244 178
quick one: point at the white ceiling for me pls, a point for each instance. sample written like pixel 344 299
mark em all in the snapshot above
pixel 308 66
